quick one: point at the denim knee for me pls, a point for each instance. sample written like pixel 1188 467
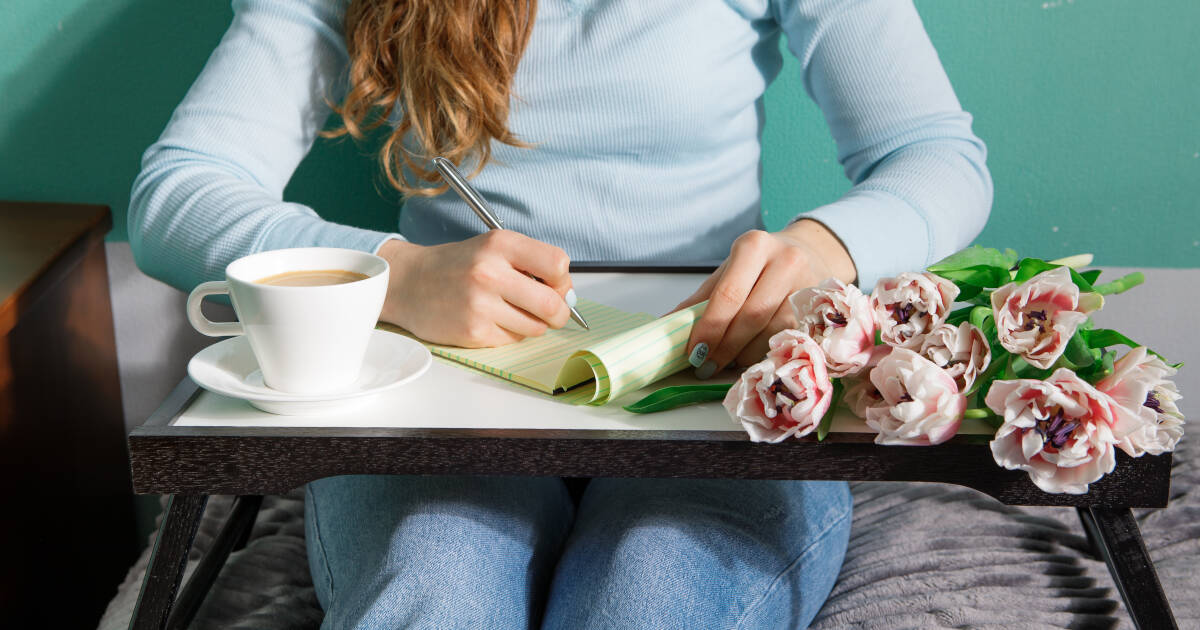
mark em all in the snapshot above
pixel 700 553
pixel 436 552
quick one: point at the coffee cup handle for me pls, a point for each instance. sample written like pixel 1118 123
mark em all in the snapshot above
pixel 202 323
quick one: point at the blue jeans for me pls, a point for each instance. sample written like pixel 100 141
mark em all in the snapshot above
pixel 503 552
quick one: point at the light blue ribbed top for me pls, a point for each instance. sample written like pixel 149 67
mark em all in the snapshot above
pixel 646 118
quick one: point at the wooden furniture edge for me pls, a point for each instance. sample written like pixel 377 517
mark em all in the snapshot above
pixel 56 267
pixel 268 460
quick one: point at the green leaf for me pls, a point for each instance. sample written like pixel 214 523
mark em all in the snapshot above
pixel 1022 369
pixel 1122 284
pixel 977 276
pixel 1078 352
pixel 959 316
pixel 1105 337
pixel 975 268
pixel 966 292
pixel 1081 282
pixel 678 396
pixel 1030 267
pixel 827 420
pixel 983 299
pixel 975 256
pixel 1010 371
pixel 1091 276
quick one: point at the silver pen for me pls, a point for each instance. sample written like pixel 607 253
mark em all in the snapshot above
pixel 484 212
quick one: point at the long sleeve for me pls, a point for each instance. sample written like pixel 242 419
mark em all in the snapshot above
pixel 210 189
pixel 921 188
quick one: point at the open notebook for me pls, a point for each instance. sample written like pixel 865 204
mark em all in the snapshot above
pixel 622 352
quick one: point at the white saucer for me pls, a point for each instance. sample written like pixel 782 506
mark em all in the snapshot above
pixel 229 368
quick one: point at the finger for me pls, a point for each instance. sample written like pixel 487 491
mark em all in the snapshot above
pixel 545 262
pixel 754 351
pixel 728 294
pixel 697 349
pixel 702 292
pixel 494 337
pixel 537 300
pixel 477 326
pixel 518 322
pixel 769 293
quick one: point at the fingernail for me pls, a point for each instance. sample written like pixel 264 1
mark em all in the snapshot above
pixel 705 372
pixel 571 299
pixel 696 358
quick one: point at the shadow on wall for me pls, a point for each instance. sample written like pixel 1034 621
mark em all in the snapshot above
pixel 78 114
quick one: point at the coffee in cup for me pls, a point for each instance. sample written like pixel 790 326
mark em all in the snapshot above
pixel 307 313
pixel 314 278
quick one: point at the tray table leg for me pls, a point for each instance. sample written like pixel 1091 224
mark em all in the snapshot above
pixel 168 561
pixel 1115 537
pixel 233 535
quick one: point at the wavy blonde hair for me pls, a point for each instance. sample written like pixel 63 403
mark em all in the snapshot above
pixel 448 65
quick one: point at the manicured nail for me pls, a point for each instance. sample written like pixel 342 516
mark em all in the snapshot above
pixel 571 299
pixel 696 358
pixel 705 372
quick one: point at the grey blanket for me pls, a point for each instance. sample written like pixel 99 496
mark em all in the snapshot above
pixel 920 556
pixel 933 556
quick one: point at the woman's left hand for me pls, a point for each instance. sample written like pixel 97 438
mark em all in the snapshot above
pixel 747 295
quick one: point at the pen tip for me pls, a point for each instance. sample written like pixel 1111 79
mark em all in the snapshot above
pixel 579 318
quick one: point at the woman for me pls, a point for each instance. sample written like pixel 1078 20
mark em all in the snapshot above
pixel 603 130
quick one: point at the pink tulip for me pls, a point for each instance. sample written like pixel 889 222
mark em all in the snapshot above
pixel 1060 430
pixel 776 400
pixel 1036 319
pixel 860 393
pixel 839 318
pixel 910 305
pixel 962 351
pixel 924 405
pixel 1150 421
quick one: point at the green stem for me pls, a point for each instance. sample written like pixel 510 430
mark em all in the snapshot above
pixel 979 314
pixel 977 413
pixel 1124 283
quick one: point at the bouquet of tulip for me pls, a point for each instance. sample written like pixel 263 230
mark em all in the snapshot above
pixel 981 334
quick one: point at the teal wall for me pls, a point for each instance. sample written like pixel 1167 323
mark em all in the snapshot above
pixel 1090 108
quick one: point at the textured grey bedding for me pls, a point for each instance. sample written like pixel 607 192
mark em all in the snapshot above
pixel 920 556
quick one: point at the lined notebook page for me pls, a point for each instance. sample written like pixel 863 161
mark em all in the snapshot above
pixel 622 352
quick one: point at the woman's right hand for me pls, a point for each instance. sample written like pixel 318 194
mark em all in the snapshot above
pixel 475 293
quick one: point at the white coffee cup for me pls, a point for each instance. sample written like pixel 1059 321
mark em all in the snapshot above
pixel 307 339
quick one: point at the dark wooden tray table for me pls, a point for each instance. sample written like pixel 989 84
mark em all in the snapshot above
pixel 191 459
